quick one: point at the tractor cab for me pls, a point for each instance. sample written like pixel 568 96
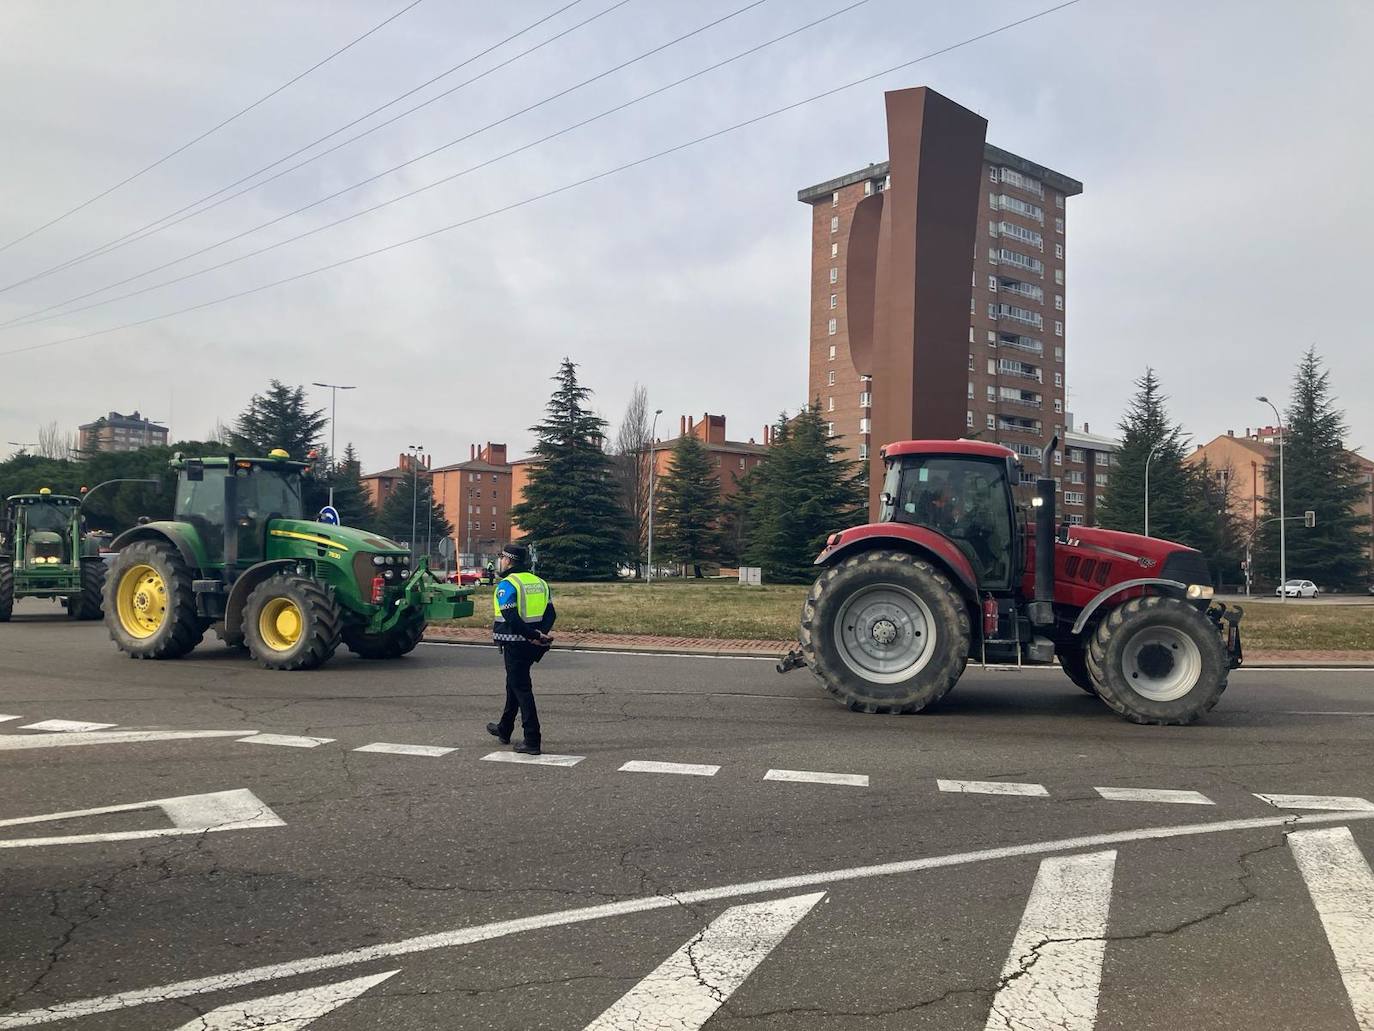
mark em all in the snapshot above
pixel 230 502
pixel 965 495
pixel 41 527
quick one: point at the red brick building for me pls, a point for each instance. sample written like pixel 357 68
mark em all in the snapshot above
pixel 731 458
pixel 380 485
pixel 476 496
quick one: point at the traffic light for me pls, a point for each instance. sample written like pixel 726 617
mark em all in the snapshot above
pixel 1309 518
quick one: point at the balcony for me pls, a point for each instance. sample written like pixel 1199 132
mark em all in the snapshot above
pixel 1021 372
pixel 1011 424
pixel 1022 402
pixel 1021 316
pixel 1021 343
pixel 1027 290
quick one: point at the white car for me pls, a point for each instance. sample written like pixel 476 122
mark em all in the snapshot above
pixel 1297 589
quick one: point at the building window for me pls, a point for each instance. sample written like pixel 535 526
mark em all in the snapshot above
pixel 970 363
pixel 992 392
pixel 1074 519
pixel 1102 479
pixel 992 366
pixel 830 379
pixel 831 328
pixel 1073 497
pixel 834 250
pixel 834 275
pixel 992 338
pixel 741 462
pixel 1059 226
pixel 835 199
pixel 830 429
pixel 832 356
pixel 1059 276
pixel 992 283
pixel 1059 405
pixel 830 407
pixel 992 421
pixel 970 334
pixel 493 527
pixel 1059 251
pixel 834 301
pixel 1076 476
pixel 863 452
pixel 865 400
pixel 1059 458
pixel 868 188
pixel 1059 354
pixel 1058 302
pixel 1076 455
pixel 1058 329
pixel 865 425
pixel 1059 201
pixel 970 390
pixel 493 509
pixel 477 494
pixel 834 223
pixel 968 418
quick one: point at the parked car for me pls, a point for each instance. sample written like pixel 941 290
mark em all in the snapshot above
pixel 1298 589
pixel 467 577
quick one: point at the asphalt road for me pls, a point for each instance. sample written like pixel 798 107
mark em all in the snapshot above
pixel 250 884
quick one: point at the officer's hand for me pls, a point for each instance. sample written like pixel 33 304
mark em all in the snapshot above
pixel 545 639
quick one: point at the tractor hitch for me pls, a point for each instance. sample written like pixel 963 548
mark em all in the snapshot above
pixel 1227 620
pixel 792 660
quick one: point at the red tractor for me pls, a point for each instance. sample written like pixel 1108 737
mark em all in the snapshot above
pixel 955 571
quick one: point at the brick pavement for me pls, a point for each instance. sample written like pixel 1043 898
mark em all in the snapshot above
pixel 586 641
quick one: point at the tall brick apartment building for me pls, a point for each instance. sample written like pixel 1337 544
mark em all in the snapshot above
pixel 476 496
pixel 1016 341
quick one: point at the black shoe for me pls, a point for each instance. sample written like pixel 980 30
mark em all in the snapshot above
pixel 495 731
pixel 525 748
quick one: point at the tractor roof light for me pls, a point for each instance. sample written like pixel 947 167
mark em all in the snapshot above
pixel 44 490
pixel 279 454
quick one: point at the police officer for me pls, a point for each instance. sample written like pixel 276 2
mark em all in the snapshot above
pixel 523 607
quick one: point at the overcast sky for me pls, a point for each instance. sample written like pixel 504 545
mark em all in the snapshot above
pixel 1224 149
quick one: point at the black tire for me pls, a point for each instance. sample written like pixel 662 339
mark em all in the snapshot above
pixel 941 648
pixel 1073 660
pixel 320 621
pixel 399 640
pixel 180 630
pixel 1173 675
pixel 6 591
pixel 88 604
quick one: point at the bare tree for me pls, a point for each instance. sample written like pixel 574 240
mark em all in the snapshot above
pixel 53 443
pixel 220 434
pixel 631 451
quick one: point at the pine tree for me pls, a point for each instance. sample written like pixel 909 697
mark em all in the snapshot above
pixel 804 492
pixel 407 507
pixel 571 509
pixel 688 504
pixel 279 418
pixel 1320 476
pixel 351 499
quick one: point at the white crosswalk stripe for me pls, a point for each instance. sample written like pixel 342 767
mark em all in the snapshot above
pixel 6 719
pixel 685 769
pixel 285 740
pixel 1053 973
pixel 992 787
pixel 1337 803
pixel 66 726
pixel 687 988
pixel 433 751
pixel 289 1011
pixel 858 780
pixel 1342 888
pixel 533 760
pixel 1154 795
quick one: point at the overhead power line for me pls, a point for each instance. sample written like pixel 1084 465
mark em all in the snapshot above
pixel 212 130
pixel 556 191
pixel 183 213
pixel 39 315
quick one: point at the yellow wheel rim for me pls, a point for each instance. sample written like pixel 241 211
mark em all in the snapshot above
pixel 280 624
pixel 141 601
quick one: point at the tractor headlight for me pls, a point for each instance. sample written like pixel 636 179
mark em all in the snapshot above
pixel 377 560
pixel 390 574
pixel 405 560
pixel 405 573
pixel 391 560
pixel 1197 592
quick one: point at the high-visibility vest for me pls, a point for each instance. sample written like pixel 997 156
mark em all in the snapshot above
pixel 531 597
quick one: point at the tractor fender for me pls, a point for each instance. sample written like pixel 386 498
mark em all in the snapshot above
pixel 905 537
pixel 176 534
pixel 243 586
pixel 1108 593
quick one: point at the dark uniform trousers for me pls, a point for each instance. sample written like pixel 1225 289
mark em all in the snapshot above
pixel 519 657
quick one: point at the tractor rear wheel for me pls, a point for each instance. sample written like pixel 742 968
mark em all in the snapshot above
pixel 6 591
pixel 291 622
pixel 1160 661
pixel 150 609
pixel 885 632
pixel 87 604
pixel 399 640
pixel 1073 660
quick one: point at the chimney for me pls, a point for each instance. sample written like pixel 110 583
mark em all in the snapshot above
pixel 690 424
pixel 1085 428
pixel 682 425
pixel 766 430
pixel 1247 431
pixel 1232 433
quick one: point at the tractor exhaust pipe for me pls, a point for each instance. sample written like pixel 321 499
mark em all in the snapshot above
pixel 1041 610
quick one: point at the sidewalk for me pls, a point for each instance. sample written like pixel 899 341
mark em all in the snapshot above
pixel 596 642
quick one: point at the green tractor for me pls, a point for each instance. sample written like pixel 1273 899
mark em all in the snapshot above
pixel 240 557
pixel 44 554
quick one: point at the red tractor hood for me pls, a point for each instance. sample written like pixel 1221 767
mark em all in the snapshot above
pixel 1149 552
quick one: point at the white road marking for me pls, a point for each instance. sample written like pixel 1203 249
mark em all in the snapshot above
pixel 632 654
pixel 1054 970
pixel 567 917
pixel 1342 888
pixel 1340 803
pixel 1154 795
pixel 1325 712
pixel 858 780
pixel 687 988
pixel 67 726
pixel 386 746
pixel 685 769
pixel 533 760
pixel 992 787
pixel 16 742
pixel 285 740
pixel 6 719
pixel 289 1011
pixel 190 814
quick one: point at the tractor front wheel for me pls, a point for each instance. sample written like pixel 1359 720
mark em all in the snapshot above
pixel 885 632
pixel 150 609
pixel 399 640
pixel 291 622
pixel 87 604
pixel 6 591
pixel 1158 660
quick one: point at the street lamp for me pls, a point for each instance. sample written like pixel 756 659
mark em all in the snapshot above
pixel 415 452
pixel 334 389
pixel 1148 459
pixel 653 428
pixel 1283 534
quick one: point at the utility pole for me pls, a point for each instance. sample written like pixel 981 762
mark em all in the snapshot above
pixel 334 389
pixel 416 450
pixel 1148 459
pixel 1283 522
pixel 649 569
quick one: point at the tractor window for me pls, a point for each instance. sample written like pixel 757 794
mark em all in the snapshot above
pixel 47 516
pixel 201 503
pixel 269 493
pixel 968 501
